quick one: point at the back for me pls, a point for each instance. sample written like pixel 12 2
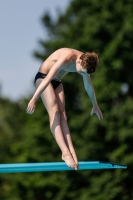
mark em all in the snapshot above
pixel 50 61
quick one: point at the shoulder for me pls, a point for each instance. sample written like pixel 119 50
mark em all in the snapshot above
pixel 61 54
pixel 65 54
pixel 66 51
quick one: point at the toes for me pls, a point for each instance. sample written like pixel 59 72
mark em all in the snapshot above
pixel 76 167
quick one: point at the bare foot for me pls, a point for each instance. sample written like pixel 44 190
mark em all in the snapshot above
pixel 69 160
pixel 74 157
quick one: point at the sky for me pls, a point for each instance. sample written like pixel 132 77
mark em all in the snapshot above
pixel 20 30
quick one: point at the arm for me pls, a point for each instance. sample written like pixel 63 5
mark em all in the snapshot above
pixel 91 93
pixel 52 73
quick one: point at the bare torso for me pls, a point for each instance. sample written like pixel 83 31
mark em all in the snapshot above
pixel 68 66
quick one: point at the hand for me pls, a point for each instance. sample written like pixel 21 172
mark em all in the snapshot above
pixel 31 106
pixel 97 111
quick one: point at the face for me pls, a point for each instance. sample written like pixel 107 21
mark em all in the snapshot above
pixel 79 67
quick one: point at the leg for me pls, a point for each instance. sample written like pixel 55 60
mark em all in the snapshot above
pixel 50 101
pixel 63 120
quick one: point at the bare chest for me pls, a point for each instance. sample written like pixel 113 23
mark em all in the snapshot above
pixel 61 74
pixel 65 70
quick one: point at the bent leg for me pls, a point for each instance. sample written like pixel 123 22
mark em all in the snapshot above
pixel 50 101
pixel 63 120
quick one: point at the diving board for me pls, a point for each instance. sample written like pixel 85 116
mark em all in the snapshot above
pixel 56 166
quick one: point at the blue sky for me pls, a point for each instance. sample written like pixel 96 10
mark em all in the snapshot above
pixel 20 30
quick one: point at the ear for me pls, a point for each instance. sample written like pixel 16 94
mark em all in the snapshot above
pixel 79 61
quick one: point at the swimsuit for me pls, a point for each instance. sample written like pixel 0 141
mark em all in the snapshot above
pixel 54 82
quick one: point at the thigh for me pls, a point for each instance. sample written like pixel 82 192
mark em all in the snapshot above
pixel 59 92
pixel 48 97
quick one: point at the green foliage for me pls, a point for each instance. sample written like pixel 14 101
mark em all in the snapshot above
pixel 106 28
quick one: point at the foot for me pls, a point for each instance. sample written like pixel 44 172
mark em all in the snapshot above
pixel 74 156
pixel 69 160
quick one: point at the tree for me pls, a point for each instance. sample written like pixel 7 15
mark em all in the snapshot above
pixel 106 28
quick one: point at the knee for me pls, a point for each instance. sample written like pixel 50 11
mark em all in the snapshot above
pixel 54 114
pixel 63 115
pixel 54 119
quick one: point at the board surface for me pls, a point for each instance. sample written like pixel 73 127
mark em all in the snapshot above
pixel 56 166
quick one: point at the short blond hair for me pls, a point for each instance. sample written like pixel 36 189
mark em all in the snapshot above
pixel 90 61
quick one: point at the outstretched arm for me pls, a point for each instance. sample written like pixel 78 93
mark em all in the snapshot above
pixel 91 93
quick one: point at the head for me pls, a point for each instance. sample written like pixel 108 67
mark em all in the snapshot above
pixel 89 61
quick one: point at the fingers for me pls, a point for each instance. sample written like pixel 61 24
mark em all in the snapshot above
pixel 99 114
pixel 30 110
pixel 91 113
pixel 31 107
pixel 99 117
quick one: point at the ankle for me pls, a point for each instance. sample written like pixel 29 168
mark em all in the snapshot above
pixel 66 153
